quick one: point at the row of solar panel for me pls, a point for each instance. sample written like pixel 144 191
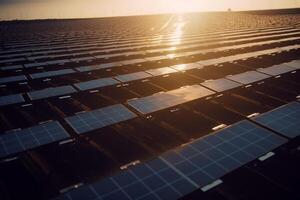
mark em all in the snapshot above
pixel 90 45
pixel 16 141
pixel 153 51
pixel 138 61
pixel 181 171
pixel 88 121
pixel 216 85
pixel 183 46
pixel 39 45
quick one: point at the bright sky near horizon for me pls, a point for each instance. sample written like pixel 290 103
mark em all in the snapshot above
pixel 41 9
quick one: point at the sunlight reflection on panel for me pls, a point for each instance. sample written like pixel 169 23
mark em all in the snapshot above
pixel 177 34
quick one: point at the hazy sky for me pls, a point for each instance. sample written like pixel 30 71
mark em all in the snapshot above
pixel 28 9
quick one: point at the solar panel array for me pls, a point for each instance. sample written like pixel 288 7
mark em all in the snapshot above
pixel 88 121
pixel 15 141
pixel 285 120
pixel 118 77
pixel 181 171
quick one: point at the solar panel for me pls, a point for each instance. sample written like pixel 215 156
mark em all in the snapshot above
pixel 82 59
pixel 182 171
pixel 156 58
pixel 220 85
pixel 12 67
pixel 16 141
pixel 11 99
pixel 102 82
pixel 216 61
pixel 161 71
pixel 188 66
pixel 285 119
pixel 88 121
pixel 132 76
pixel 51 92
pixel 294 64
pixel 248 77
pixel 60 62
pixel 11 79
pixel 132 62
pixel 86 68
pixel 12 60
pixel 168 99
pixel 276 70
pixel 211 157
pixel 35 65
pixel 51 73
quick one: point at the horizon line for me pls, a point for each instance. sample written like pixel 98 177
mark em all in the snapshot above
pixel 149 14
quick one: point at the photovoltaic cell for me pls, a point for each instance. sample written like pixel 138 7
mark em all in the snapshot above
pixel 132 76
pixel 220 85
pixel 51 92
pixel 51 73
pixel 168 99
pixel 248 77
pixel 88 121
pixel 182 171
pixel 276 70
pixel 11 99
pixel 15 141
pixel 11 79
pixel 98 83
pixel 284 120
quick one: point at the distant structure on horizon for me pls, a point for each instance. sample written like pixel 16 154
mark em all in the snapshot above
pixel 229 10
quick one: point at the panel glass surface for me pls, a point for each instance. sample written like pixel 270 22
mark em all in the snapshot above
pixel 51 73
pixel 132 76
pixel 248 77
pixel 51 92
pixel 168 99
pixel 285 119
pixel 11 99
pixel 276 70
pixel 98 83
pixel 15 141
pixel 11 79
pixel 220 85
pixel 88 121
